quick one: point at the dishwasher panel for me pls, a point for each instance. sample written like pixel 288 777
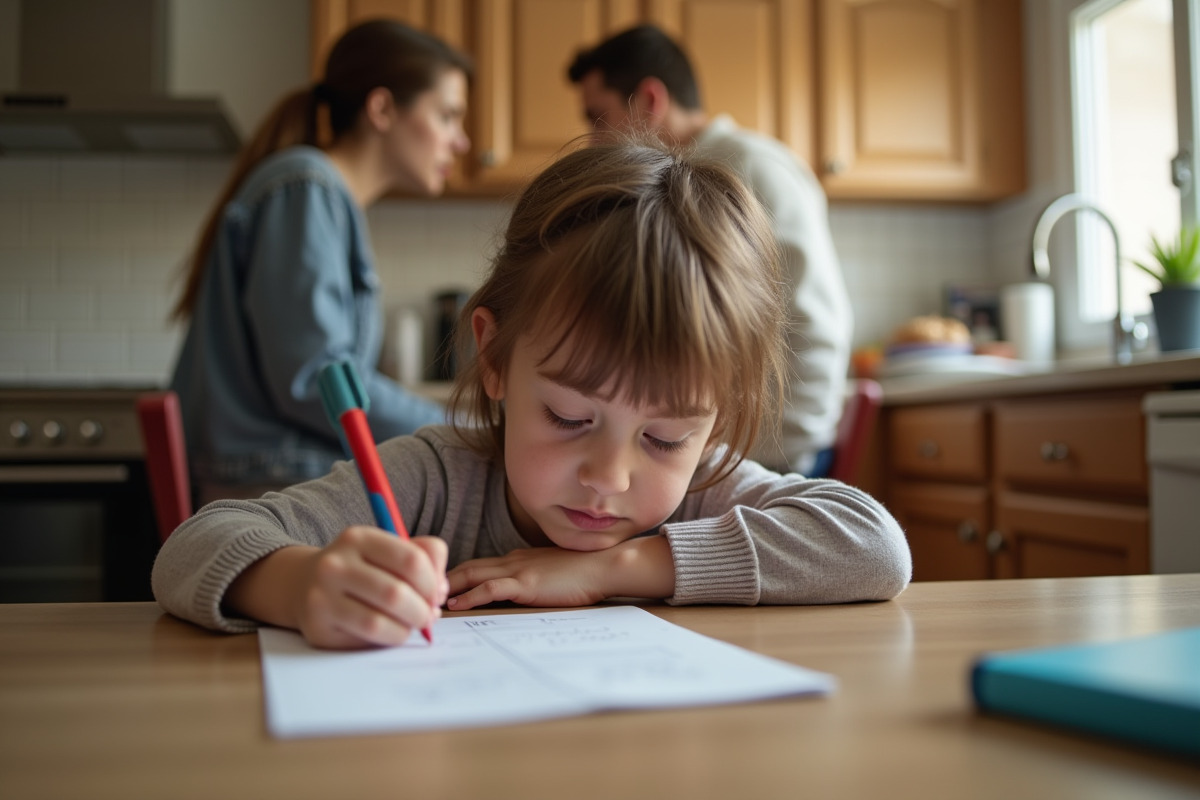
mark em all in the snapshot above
pixel 1173 453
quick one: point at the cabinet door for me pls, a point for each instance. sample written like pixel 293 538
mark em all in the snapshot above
pixel 754 60
pixel 921 99
pixel 1051 537
pixel 331 17
pixel 945 526
pixel 524 109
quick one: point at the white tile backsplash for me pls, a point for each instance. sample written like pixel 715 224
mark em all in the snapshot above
pixel 91 248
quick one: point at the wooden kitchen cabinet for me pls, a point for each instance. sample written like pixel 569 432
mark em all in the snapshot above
pixel 1021 488
pixel 946 526
pixel 937 458
pixel 1047 536
pixel 1094 446
pixel 522 109
pixel 329 18
pixel 940 442
pixel 754 60
pixel 921 99
pixel 886 99
pixel 1071 487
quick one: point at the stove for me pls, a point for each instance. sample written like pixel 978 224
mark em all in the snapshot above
pixel 76 515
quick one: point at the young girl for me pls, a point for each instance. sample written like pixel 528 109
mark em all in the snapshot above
pixel 283 278
pixel 629 345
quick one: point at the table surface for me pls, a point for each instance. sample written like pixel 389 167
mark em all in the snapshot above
pixel 121 700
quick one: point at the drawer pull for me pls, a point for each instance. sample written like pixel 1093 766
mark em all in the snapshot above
pixel 994 542
pixel 967 532
pixel 1054 451
pixel 927 448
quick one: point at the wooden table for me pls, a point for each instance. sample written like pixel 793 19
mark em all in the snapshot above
pixel 123 701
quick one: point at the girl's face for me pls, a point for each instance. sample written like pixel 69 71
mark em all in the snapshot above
pixel 586 473
pixel 427 136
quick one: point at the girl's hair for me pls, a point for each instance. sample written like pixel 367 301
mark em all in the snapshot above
pixel 378 53
pixel 650 266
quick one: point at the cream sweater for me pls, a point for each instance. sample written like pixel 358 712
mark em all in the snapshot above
pixel 755 537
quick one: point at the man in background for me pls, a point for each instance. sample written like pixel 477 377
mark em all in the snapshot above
pixel 641 78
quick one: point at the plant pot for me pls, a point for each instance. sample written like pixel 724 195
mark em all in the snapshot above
pixel 1177 316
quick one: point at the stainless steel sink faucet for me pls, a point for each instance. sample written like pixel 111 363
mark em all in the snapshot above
pixel 1123 325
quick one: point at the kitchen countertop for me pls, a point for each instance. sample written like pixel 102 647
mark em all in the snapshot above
pixel 1069 376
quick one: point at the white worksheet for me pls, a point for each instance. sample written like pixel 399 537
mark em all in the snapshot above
pixel 491 670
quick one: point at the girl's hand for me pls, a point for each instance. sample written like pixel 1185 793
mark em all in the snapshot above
pixel 551 576
pixel 367 588
pixel 539 576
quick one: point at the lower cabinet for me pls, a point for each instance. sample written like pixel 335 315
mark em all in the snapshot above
pixel 946 526
pixel 1053 537
pixel 1034 487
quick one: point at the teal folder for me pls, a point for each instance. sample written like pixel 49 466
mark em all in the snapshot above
pixel 1144 690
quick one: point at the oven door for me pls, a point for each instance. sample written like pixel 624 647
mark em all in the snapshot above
pixel 72 532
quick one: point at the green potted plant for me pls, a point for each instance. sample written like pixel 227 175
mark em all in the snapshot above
pixel 1176 267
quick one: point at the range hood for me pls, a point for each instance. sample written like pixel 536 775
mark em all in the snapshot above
pixel 91 78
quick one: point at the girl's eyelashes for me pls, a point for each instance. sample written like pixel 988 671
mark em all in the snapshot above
pixel 559 422
pixel 666 446
pixel 662 445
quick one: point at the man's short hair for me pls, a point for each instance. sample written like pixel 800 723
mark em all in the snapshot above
pixel 627 58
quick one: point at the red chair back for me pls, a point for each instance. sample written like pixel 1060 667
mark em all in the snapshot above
pixel 854 429
pixel 166 459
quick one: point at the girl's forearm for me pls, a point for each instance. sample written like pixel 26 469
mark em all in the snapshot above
pixel 266 589
pixel 641 567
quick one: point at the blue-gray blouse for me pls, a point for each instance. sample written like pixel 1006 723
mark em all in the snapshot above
pixel 289 285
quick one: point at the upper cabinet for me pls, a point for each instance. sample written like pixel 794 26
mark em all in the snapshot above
pixel 523 108
pixel 921 99
pixel 330 17
pixel 754 60
pixel 886 99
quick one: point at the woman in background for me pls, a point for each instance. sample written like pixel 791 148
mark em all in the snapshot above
pixel 282 280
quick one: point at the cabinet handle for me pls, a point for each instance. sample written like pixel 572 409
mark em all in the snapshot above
pixel 994 542
pixel 927 448
pixel 1055 451
pixel 968 532
pixel 834 165
pixel 488 158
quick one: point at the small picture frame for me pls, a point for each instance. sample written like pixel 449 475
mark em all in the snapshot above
pixel 977 307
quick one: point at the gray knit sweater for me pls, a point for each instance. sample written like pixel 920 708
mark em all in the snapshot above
pixel 755 537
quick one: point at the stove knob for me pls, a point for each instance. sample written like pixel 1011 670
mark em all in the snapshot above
pixel 53 431
pixel 91 431
pixel 18 429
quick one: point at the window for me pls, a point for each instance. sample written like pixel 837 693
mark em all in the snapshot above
pixel 1131 112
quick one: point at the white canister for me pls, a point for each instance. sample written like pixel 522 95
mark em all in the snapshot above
pixel 407 327
pixel 1027 317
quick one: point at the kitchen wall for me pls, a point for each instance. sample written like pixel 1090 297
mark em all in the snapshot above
pixel 90 247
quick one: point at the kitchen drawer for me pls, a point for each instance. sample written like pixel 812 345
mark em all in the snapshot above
pixel 1095 445
pixel 945 442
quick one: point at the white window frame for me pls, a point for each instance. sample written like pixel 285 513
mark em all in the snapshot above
pixel 1071 113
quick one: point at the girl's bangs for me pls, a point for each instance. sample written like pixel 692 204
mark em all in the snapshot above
pixel 625 332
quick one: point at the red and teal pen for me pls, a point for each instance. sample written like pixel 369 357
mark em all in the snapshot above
pixel 346 404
